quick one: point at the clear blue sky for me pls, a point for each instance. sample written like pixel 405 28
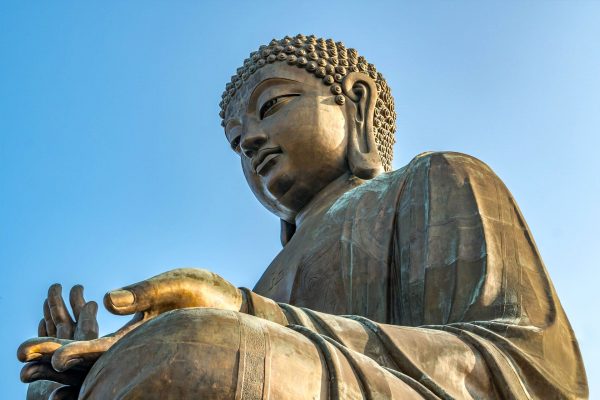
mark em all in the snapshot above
pixel 113 164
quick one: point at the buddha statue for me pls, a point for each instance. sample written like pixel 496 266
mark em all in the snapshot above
pixel 419 283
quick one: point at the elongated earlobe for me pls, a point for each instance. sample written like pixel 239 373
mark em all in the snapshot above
pixel 363 158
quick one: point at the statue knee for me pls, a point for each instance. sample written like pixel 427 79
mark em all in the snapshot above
pixel 208 353
pixel 185 353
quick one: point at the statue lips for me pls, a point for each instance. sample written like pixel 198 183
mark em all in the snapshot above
pixel 265 159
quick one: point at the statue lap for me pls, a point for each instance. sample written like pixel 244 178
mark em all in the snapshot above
pixel 207 353
pixel 216 354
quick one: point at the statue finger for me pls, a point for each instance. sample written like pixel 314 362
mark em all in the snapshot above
pixel 35 371
pixel 130 299
pixel 63 321
pixel 39 349
pixel 179 288
pixel 87 324
pixel 50 327
pixel 41 390
pixel 65 393
pixel 81 355
pixel 76 299
pixel 42 332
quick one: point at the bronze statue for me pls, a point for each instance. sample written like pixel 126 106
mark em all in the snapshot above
pixel 420 283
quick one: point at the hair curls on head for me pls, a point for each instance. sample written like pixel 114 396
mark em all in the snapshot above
pixel 330 62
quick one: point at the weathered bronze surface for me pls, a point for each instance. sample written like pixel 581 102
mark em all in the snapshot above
pixel 420 283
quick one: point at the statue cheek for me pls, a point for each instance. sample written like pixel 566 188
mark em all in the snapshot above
pixel 255 183
pixel 252 179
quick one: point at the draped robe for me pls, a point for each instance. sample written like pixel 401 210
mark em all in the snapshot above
pixel 437 262
pixel 420 283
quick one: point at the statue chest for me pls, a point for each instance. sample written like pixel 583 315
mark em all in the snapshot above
pixel 339 263
pixel 306 272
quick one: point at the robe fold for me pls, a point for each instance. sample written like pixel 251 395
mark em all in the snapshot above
pixel 441 284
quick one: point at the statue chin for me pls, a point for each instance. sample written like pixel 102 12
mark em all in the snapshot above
pixel 187 353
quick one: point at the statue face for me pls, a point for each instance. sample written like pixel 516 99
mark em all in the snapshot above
pixel 290 134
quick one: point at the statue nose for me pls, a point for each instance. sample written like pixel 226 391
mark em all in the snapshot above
pixel 252 142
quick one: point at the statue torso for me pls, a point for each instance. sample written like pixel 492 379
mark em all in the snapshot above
pixel 338 262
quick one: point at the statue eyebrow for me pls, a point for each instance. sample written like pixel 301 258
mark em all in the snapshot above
pixel 267 83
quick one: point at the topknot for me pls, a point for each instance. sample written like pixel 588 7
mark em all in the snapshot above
pixel 330 62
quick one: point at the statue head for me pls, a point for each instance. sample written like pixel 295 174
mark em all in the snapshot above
pixel 302 112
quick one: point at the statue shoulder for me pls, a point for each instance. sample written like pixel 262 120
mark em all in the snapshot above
pixel 436 177
pixel 441 173
pixel 450 158
pixel 449 164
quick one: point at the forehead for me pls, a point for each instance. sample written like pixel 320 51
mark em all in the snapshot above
pixel 239 102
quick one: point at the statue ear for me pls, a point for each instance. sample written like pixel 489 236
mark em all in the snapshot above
pixel 287 231
pixel 363 157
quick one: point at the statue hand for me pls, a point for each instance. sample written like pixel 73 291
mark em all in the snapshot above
pixel 58 357
pixel 44 369
pixel 179 288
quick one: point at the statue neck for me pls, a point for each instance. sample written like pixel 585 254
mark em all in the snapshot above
pixel 326 197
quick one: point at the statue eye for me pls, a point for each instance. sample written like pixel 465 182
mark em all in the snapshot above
pixel 271 106
pixel 235 144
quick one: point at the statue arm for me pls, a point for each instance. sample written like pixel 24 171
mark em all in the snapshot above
pixel 465 262
pixel 432 362
pixel 480 359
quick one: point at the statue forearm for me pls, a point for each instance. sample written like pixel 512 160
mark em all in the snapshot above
pixel 414 352
pixel 263 307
